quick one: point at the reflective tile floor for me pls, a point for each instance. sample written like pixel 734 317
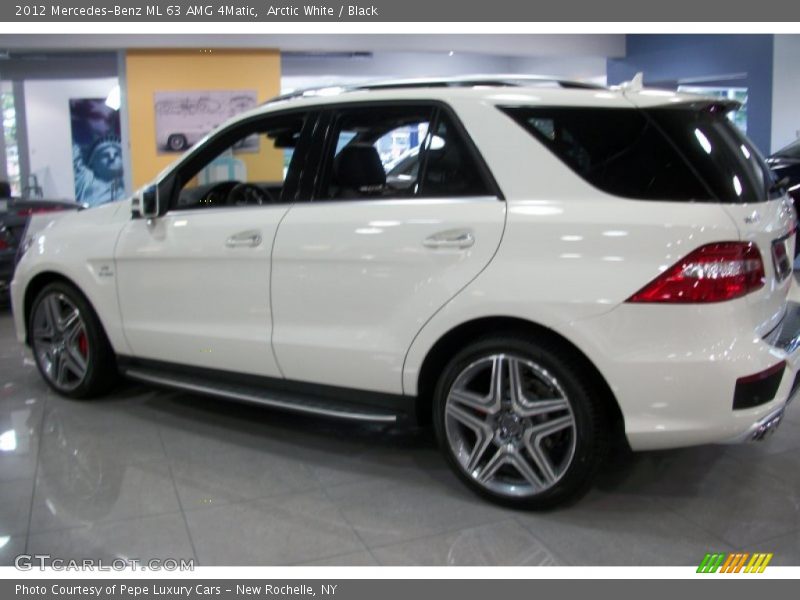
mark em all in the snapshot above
pixel 154 474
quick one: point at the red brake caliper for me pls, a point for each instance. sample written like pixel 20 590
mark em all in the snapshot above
pixel 83 344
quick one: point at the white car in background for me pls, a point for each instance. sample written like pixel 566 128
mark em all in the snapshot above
pixel 570 266
pixel 177 140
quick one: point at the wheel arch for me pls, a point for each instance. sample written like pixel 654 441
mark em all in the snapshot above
pixel 37 283
pixel 456 338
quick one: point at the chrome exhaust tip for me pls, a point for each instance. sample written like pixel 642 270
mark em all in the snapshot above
pixel 767 427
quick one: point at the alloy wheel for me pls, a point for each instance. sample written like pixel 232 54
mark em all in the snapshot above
pixel 510 425
pixel 60 342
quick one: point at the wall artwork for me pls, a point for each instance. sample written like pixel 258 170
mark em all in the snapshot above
pixel 96 151
pixel 185 117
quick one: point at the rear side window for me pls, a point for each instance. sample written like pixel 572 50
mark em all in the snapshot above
pixel 388 151
pixel 680 154
pixel 450 168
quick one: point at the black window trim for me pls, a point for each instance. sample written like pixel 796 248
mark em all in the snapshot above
pixel 328 115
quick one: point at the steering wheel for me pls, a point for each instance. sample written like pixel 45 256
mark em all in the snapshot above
pixel 248 194
pixel 218 194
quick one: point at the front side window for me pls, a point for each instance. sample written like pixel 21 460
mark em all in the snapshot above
pixel 247 165
pixel 390 152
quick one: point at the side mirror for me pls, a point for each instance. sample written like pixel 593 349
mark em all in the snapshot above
pixel 148 203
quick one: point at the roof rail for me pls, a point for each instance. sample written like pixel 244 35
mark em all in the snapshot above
pixel 458 82
pixel 479 81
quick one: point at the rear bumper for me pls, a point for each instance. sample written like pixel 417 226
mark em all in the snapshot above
pixel 785 337
pixel 674 371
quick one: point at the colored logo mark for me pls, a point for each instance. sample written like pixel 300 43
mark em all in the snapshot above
pixel 735 562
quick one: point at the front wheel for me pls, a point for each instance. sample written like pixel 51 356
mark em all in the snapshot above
pixel 69 345
pixel 517 424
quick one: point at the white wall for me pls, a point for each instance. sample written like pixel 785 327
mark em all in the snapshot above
pixel 591 69
pixel 315 70
pixel 785 91
pixel 49 130
pixel 505 44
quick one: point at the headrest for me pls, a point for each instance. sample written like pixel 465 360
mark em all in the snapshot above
pixel 359 166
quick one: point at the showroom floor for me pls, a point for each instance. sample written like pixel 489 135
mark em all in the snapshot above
pixel 151 473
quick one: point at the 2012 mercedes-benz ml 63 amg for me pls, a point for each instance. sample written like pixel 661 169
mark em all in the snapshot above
pixel 535 267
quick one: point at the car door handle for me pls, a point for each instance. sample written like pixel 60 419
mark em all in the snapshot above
pixel 244 239
pixel 453 238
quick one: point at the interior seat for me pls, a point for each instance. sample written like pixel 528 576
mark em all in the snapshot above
pixel 358 172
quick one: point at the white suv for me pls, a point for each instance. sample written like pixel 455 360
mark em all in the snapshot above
pixel 566 266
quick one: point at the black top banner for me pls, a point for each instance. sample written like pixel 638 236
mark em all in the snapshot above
pixel 134 11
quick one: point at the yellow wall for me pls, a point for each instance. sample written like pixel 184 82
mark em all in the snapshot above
pixel 150 71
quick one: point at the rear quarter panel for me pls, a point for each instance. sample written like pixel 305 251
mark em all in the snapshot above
pixel 570 252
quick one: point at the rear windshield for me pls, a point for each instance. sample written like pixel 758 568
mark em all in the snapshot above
pixel 682 154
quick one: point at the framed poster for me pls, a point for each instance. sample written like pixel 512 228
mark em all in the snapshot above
pixel 96 151
pixel 185 117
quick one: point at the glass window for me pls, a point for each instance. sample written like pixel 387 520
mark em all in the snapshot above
pixel 450 168
pixel 619 151
pixel 244 166
pixel 376 154
pixel 390 152
pixel 12 149
pixel 731 166
pixel 677 154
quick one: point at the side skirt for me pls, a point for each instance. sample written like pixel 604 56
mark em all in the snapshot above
pixel 294 396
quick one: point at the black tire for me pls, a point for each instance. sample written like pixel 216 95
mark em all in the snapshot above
pixel 100 361
pixel 177 142
pixel 586 441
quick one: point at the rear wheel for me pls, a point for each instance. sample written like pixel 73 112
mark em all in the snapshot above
pixel 69 345
pixel 517 423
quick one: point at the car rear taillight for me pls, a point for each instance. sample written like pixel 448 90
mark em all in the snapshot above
pixel 712 273
pixel 4 245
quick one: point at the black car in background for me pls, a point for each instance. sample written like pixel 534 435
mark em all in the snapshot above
pixel 785 163
pixel 14 215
